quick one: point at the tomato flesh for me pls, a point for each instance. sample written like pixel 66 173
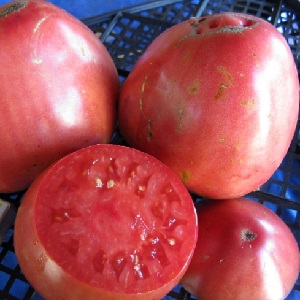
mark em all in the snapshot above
pixel 116 220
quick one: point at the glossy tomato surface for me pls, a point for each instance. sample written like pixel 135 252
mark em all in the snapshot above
pixel 216 99
pixel 58 90
pixel 105 222
pixel 244 251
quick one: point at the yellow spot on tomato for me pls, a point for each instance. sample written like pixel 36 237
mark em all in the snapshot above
pixel 227 82
pixel 185 176
pixel 180 117
pixel 194 87
pixel 238 146
pixel 221 91
pixel 248 102
pixel 225 73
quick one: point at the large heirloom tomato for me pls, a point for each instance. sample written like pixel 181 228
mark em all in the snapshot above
pixel 216 99
pixel 244 251
pixel 106 223
pixel 58 86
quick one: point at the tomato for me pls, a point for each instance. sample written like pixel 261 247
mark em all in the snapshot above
pixel 244 251
pixel 217 100
pixel 59 88
pixel 105 222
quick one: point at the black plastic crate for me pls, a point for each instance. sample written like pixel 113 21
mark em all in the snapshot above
pixel 126 34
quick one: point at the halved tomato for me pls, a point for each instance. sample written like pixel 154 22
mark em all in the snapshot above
pixel 106 222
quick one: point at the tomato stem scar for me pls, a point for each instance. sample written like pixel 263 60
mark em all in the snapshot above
pixel 14 7
pixel 248 235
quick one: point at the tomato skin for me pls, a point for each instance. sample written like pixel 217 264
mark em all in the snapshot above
pixel 207 99
pixel 40 266
pixel 227 266
pixel 59 88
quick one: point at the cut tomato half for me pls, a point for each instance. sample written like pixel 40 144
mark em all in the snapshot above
pixel 106 222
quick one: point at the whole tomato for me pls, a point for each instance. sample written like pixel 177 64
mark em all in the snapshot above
pixel 216 99
pixel 105 222
pixel 58 85
pixel 244 251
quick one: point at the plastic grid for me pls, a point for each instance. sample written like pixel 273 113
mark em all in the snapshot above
pixel 126 35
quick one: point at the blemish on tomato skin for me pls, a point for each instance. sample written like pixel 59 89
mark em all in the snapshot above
pixel 144 84
pixel 234 24
pixel 238 146
pixel 221 92
pixel 248 235
pixel 226 74
pixel 205 26
pixel 149 130
pixel 12 8
pixel 143 92
pixel 195 21
pixel 185 176
pixel 227 82
pixel 221 139
pixel 248 102
pixel 194 87
pixel 234 161
pixel 180 117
